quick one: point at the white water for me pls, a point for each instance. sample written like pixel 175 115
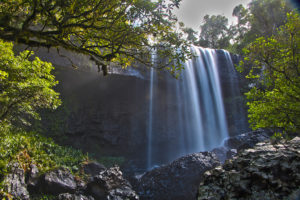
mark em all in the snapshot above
pixel 200 115
pixel 239 118
pixel 150 116
pixel 206 125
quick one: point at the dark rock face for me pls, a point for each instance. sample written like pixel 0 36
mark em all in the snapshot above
pixel 59 181
pixel 178 180
pixel 235 144
pixel 14 183
pixel 67 196
pixel 101 115
pixel 247 140
pixel 93 168
pixel 268 171
pixel 110 184
pixel 33 177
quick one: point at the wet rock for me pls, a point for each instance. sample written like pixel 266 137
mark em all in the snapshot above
pixel 246 140
pixel 59 181
pixel 235 144
pixel 80 186
pixel 33 178
pixel 67 196
pixel 178 180
pixel 14 183
pixel 93 168
pixel 111 185
pixel 268 171
pixel 221 153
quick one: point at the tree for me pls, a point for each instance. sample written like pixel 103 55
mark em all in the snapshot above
pixel 267 16
pixel 262 19
pixel 107 30
pixel 25 86
pixel 274 99
pixel 242 15
pixel 214 32
pixel 241 28
pixel 191 34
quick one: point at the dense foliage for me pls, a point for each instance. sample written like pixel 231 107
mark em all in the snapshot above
pixel 214 32
pixel 26 85
pixel 32 148
pixel 274 99
pixel 261 18
pixel 107 30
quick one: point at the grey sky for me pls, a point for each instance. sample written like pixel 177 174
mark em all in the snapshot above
pixel 191 12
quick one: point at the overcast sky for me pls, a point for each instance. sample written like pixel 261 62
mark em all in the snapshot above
pixel 191 12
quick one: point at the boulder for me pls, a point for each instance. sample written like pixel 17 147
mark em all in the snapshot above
pixel 33 178
pixel 93 168
pixel 235 144
pixel 67 196
pixel 267 171
pixel 14 183
pixel 59 181
pixel 221 153
pixel 246 140
pixel 110 184
pixel 177 180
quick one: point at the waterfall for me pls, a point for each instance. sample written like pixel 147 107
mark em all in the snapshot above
pixel 150 122
pixel 150 115
pixel 203 110
pixel 195 119
pixel 240 121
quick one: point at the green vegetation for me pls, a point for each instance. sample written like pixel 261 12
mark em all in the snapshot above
pixel 117 31
pixel 214 32
pixel 31 148
pixel 28 148
pixel 274 99
pixel 262 18
pixel 25 86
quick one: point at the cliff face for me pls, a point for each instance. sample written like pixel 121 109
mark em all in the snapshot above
pixel 99 114
pixel 109 115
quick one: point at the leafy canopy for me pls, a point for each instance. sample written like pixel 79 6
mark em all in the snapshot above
pixel 108 31
pixel 274 99
pixel 261 19
pixel 25 86
pixel 214 32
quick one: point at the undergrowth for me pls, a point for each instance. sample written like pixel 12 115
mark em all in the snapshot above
pixel 28 148
pixel 31 148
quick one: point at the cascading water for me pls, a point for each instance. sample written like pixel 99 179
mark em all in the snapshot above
pixel 150 114
pixel 199 120
pixel 206 125
pixel 150 121
pixel 239 119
